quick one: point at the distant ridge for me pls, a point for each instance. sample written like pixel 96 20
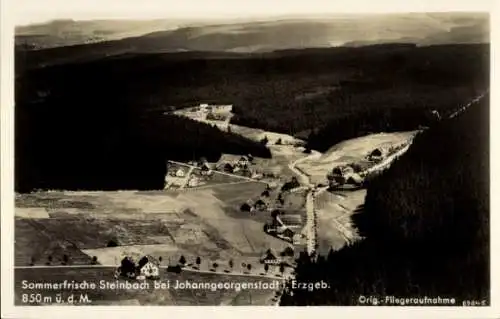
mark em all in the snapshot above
pixel 259 36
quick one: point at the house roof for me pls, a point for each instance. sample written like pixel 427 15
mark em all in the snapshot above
pixel 291 219
pixel 356 178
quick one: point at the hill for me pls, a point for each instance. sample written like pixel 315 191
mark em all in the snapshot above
pixel 426 224
pixel 67 32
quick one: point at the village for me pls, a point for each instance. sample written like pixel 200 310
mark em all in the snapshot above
pixel 294 225
pixel 238 216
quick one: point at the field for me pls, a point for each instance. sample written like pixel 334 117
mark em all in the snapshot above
pixel 148 295
pixel 215 178
pixel 334 211
pixel 164 224
pixel 351 151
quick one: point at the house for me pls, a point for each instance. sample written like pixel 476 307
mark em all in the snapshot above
pixel 127 269
pixel 269 258
pixel 345 171
pixel 206 170
pixel 296 239
pixel 355 179
pixel 376 155
pixel 148 268
pixel 193 181
pixel 340 174
pixel 180 173
pixel 228 168
pixel 291 220
pixel 287 232
pixel 256 175
pixel 243 161
pixel 260 205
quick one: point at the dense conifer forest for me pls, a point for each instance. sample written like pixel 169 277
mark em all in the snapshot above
pixel 425 222
pixel 99 122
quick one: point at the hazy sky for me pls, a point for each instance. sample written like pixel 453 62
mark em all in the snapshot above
pixel 31 11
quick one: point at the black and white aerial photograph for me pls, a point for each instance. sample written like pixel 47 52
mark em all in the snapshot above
pixel 316 159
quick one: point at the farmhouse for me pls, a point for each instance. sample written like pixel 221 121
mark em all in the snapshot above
pixel 148 268
pixel 180 173
pixel 291 220
pixel 296 239
pixel 193 181
pixel 269 258
pixel 355 179
pixel 376 155
pixel 206 170
pixel 287 232
pixel 340 174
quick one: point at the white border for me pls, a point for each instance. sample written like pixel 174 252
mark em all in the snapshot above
pixel 224 8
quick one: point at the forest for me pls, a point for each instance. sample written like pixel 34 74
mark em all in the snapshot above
pixel 100 121
pixel 425 224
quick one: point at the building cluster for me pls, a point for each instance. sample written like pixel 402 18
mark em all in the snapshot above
pixel 344 174
pixel 241 166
